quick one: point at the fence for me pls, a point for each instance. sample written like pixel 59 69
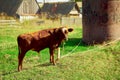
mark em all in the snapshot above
pixel 2 22
pixel 71 20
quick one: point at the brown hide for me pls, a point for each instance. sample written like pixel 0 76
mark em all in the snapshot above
pixel 48 38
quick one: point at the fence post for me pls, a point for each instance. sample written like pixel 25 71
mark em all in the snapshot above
pixel 58 55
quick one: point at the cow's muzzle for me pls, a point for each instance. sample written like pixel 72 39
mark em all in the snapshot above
pixel 66 38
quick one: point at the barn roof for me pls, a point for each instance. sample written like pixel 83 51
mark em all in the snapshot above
pixel 63 8
pixel 9 6
pixel 21 7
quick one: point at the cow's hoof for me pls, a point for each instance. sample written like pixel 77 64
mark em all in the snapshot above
pixel 54 64
pixel 19 70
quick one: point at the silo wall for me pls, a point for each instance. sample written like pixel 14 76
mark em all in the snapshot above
pixel 101 20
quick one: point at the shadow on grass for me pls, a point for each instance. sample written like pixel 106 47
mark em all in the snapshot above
pixel 8 73
pixel 75 42
pixel 44 65
pixel 15 71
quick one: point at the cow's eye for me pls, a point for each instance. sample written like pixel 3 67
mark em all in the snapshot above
pixel 66 32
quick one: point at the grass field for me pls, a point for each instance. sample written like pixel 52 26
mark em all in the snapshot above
pixel 82 63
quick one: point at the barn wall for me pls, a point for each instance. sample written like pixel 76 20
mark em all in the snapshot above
pixel 28 7
pixel 101 20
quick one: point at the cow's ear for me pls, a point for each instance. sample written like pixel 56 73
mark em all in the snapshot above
pixel 70 29
pixel 51 32
pixel 56 30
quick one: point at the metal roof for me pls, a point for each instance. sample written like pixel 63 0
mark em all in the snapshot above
pixel 63 8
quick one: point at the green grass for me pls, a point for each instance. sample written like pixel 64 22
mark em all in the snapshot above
pixel 83 62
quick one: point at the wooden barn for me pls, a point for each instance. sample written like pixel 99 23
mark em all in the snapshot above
pixel 20 8
pixel 61 8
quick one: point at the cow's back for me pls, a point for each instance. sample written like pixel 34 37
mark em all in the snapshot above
pixel 24 40
pixel 36 40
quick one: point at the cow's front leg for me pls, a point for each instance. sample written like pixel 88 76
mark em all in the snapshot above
pixel 52 56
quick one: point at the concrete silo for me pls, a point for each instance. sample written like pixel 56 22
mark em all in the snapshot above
pixel 101 20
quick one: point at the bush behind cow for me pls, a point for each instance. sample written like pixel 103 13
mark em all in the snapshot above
pixel 37 41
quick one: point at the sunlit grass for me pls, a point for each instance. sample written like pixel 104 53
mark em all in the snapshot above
pixel 9 48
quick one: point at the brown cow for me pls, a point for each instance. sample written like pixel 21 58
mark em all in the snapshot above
pixel 48 38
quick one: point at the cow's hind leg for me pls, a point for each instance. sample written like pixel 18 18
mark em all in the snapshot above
pixel 52 56
pixel 20 59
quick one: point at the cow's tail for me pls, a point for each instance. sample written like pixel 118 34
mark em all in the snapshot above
pixel 19 50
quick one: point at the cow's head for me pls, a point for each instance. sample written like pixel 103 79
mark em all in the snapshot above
pixel 63 32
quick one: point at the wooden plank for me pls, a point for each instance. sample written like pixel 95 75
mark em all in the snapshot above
pixel 4 21
pixel 8 22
